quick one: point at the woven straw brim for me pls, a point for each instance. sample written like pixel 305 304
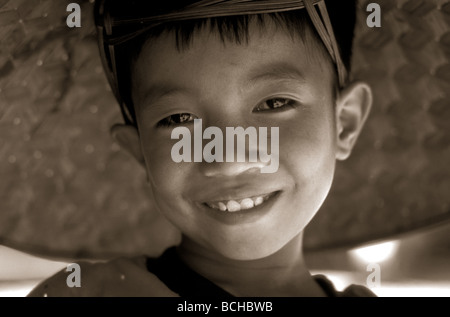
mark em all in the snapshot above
pixel 67 190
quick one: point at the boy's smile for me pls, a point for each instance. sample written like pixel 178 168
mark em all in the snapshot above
pixel 235 205
pixel 274 80
pixel 233 209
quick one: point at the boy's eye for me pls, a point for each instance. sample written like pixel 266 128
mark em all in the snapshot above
pixel 175 119
pixel 274 104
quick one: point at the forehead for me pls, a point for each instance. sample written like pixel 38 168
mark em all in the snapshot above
pixel 269 51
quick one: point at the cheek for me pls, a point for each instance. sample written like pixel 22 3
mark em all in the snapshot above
pixel 165 176
pixel 307 150
pixel 168 181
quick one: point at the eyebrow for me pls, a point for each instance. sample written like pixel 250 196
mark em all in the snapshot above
pixel 280 71
pixel 159 91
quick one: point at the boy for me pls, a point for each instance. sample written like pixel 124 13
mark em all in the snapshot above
pixel 208 66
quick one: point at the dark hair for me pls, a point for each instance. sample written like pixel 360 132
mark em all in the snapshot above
pixel 235 28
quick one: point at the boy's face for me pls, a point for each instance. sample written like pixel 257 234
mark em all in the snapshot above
pixel 238 85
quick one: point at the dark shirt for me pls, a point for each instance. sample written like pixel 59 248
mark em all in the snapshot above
pixel 172 271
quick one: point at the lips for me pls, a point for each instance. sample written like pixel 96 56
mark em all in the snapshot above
pixel 236 205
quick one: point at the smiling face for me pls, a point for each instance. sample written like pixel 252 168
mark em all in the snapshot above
pixel 274 80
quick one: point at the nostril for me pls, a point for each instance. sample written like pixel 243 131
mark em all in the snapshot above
pixel 253 170
pixel 228 169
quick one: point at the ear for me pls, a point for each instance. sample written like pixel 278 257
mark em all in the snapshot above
pixel 127 137
pixel 352 109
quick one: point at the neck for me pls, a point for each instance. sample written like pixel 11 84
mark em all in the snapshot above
pixel 283 273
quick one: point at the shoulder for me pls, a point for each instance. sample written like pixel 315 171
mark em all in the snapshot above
pixel 118 277
pixel 353 290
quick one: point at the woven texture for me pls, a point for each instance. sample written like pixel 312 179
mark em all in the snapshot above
pixel 67 190
pixel 398 177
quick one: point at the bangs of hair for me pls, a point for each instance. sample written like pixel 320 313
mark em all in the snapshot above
pixel 235 29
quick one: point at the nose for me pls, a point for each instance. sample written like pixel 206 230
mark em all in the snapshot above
pixel 235 156
pixel 241 148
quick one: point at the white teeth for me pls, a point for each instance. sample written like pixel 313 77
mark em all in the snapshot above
pixel 222 206
pixel 259 201
pixel 234 206
pixel 247 203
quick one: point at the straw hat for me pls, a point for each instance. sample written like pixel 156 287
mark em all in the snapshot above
pixel 67 190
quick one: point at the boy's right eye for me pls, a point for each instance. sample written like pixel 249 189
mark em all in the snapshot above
pixel 175 119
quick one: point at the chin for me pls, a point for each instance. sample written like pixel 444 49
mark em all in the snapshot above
pixel 249 251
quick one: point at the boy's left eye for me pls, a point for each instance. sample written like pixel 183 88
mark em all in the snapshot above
pixel 274 104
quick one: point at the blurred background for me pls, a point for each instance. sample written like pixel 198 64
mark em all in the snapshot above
pixel 414 265
pixel 68 192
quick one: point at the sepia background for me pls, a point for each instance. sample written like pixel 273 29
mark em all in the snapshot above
pixel 67 191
